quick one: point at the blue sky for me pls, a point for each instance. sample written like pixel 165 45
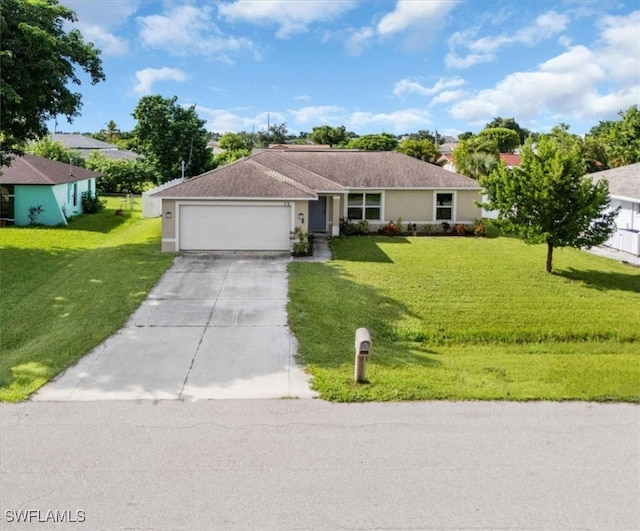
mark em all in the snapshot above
pixel 373 66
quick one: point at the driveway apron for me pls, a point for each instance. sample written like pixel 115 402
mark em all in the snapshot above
pixel 215 326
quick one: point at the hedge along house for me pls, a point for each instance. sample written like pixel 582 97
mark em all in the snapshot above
pixel 35 190
pixel 254 203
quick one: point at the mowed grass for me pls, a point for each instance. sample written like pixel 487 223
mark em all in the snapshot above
pixel 466 318
pixel 65 290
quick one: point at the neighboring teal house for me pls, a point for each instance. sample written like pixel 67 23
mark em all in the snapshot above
pixel 35 190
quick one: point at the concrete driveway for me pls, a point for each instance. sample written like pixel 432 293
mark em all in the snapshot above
pixel 215 326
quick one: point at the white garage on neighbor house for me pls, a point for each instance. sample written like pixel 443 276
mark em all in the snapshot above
pixel 624 189
pixel 254 203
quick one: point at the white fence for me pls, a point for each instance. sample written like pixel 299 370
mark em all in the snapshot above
pixel 626 240
pixel 152 206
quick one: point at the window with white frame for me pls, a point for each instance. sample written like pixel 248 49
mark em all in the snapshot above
pixel 444 206
pixel 365 206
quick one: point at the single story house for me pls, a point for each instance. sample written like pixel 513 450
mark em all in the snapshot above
pixel 255 202
pixel 38 190
pixel 85 145
pixel 624 189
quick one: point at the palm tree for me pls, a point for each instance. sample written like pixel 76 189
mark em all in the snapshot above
pixel 475 164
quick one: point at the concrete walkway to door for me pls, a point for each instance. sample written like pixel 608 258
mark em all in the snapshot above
pixel 215 326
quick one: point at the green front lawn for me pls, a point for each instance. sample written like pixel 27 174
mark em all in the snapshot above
pixel 466 318
pixel 65 290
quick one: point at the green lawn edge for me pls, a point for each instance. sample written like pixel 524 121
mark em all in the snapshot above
pixel 467 319
pixel 65 290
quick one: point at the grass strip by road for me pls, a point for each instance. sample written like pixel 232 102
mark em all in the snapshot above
pixel 467 318
pixel 67 289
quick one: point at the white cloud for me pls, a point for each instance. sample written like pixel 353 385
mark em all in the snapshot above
pixel 358 40
pixel 620 47
pixel 225 120
pixel 483 50
pixel 107 14
pixel 545 26
pixel 418 20
pixel 97 21
pixel 452 60
pixel 302 97
pixel 449 96
pixel 398 121
pixel 147 77
pixel 185 30
pixel 107 42
pixel 412 87
pixel 565 86
pixel 317 115
pixel 411 13
pixel 291 17
pixel 564 41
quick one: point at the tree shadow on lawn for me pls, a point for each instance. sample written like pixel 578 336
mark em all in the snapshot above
pixel 53 314
pixel 325 316
pixel 103 222
pixel 603 280
pixel 365 248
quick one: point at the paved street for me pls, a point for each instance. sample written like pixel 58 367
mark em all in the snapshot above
pixel 308 464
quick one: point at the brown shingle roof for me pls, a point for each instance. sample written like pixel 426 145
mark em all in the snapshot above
pixel 291 174
pixel 239 179
pixel 377 169
pixel 30 169
pixel 623 181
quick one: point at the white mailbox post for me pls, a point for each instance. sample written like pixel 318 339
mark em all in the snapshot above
pixel 363 349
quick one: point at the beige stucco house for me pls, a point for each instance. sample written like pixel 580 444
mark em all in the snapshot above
pixel 254 203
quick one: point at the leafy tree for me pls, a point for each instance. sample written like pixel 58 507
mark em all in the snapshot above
pixel 622 140
pixel 111 133
pixel 49 149
pixel 170 135
pixel 419 149
pixel 278 133
pixel 595 154
pixel 465 136
pixel 38 61
pixel 548 199
pixel 127 176
pixel 327 135
pixel 230 155
pixel 478 164
pixel 375 142
pixel 602 129
pixel 510 123
pixel 236 141
pixel 591 149
pixel 476 156
pixel 425 134
pixel 507 139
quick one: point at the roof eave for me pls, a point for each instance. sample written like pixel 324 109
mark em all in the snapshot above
pixel 234 198
pixel 625 198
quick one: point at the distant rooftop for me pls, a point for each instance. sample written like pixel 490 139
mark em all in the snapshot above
pixel 85 145
pixel 77 141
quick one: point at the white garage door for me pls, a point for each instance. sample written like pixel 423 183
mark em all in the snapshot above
pixel 234 228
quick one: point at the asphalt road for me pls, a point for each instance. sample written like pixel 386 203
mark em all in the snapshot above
pixel 307 464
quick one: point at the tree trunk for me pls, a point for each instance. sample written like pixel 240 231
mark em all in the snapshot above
pixel 549 257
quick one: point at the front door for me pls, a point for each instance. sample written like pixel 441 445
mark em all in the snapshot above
pixel 318 214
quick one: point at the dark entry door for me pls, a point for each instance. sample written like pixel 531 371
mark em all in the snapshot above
pixel 318 214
